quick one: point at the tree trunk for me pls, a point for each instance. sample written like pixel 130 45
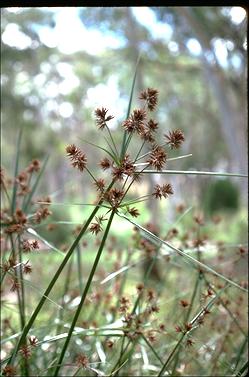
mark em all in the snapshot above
pixel 232 116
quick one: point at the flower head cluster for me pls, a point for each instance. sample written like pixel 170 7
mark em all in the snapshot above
pixel 136 122
pixel 24 177
pixel 163 191
pixel 134 212
pixel 77 157
pixel 175 138
pixel 96 227
pixel 82 360
pixel 9 371
pixel 101 117
pixel 29 245
pixel 150 95
pixel 125 168
pixel 105 163
pixel 114 196
pixel 157 157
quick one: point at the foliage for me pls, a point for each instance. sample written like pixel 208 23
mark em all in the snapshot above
pixel 221 195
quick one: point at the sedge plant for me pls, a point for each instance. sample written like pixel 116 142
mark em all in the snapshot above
pixel 121 170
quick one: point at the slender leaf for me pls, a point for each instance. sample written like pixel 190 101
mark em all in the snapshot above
pixel 13 202
pixel 192 172
pixel 33 232
pixel 103 149
pixel 129 108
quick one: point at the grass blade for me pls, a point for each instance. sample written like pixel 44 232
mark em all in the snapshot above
pixel 193 172
pixel 34 233
pixel 123 148
pixel 13 202
pixel 103 149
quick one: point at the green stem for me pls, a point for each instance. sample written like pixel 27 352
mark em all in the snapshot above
pixel 145 280
pixel 152 349
pixel 192 298
pixel 123 150
pixel 122 285
pixel 79 269
pixel 110 134
pixel 241 350
pixel 84 293
pixel 17 277
pixel 138 153
pixel 171 355
pixel 13 204
pixel 122 352
pixel 186 319
pixel 66 287
pixel 30 195
pixel 242 370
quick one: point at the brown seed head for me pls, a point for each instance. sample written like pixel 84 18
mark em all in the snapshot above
pixel 25 352
pixel 101 117
pixel 95 228
pixel 82 360
pixel 133 212
pixel 27 269
pixel 162 191
pixel 33 340
pixel 77 157
pixel 175 138
pixel 135 123
pixel 157 157
pixel 150 95
pixel 105 163
pixel 184 303
pixel 9 371
pixel 100 184
pixel 152 125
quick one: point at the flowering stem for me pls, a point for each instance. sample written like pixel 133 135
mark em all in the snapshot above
pixel 50 286
pixel 146 277
pixel 88 171
pixel 137 156
pixel 30 195
pixel 89 281
pixel 171 354
pixel 20 307
pixel 110 134
pixel 134 201
pixel 80 274
pixel 146 154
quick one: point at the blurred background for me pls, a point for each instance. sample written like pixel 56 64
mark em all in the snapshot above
pixel 59 64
